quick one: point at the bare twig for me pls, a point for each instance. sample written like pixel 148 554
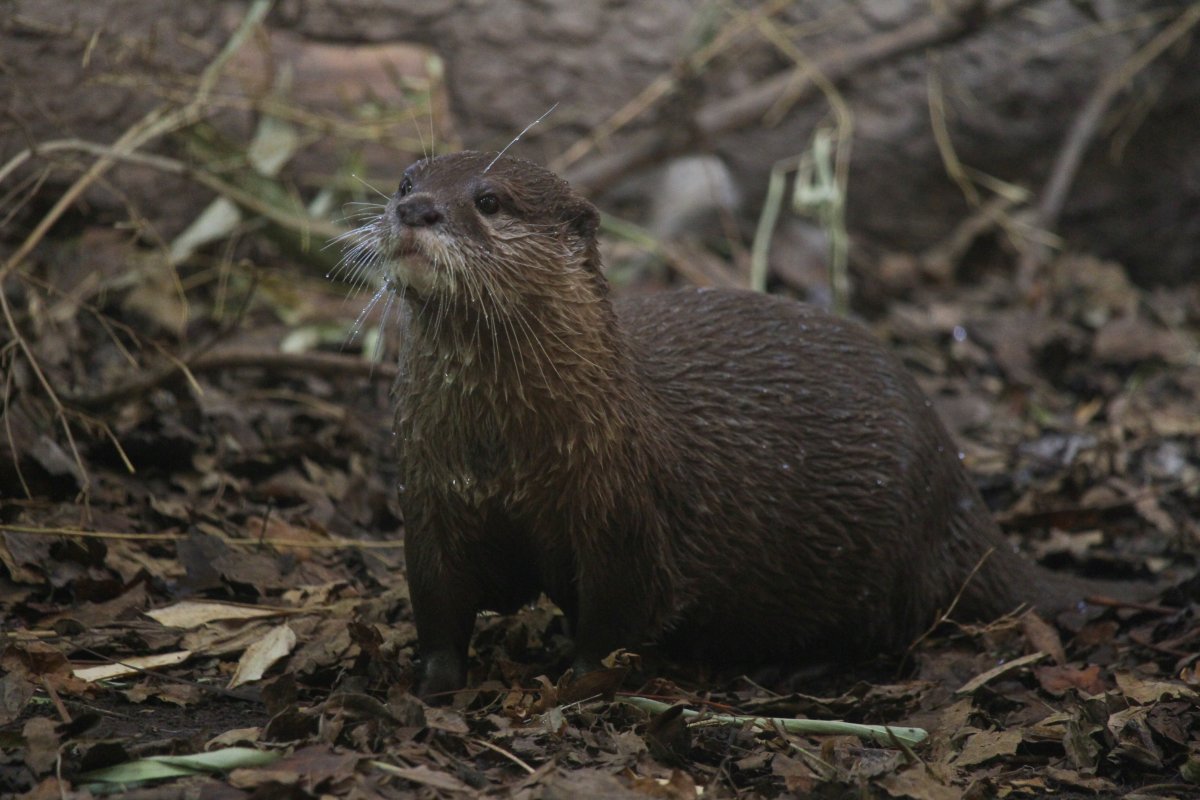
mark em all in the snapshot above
pixel 272 361
pixel 248 201
pixel 59 412
pixel 665 84
pixel 158 122
pixel 840 63
pixel 253 542
pixel 941 133
pixel 497 749
pixel 940 261
pixel 1083 131
pixel 6 358
pixel 945 616
pixel 820 187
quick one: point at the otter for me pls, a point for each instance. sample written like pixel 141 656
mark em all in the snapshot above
pixel 741 477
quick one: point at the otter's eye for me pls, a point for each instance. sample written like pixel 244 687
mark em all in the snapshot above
pixel 487 204
pixel 405 186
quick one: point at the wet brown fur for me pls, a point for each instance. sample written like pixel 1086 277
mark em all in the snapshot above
pixel 744 477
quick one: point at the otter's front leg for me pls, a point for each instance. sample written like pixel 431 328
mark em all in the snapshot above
pixel 445 598
pixel 620 605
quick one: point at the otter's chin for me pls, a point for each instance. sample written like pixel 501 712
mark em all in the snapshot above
pixel 408 265
pixel 412 271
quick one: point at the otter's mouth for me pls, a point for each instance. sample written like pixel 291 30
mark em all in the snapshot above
pixel 408 263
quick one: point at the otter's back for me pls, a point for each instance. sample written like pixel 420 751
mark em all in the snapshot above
pixel 815 485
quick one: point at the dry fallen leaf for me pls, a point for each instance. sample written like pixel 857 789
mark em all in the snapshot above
pixel 918 784
pixel 193 614
pixel 985 678
pixel 985 745
pixel 426 777
pixel 263 654
pixel 1041 636
pixel 1056 680
pixel 1151 690
pixel 132 665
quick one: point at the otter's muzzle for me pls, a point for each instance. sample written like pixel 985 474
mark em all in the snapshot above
pixel 418 211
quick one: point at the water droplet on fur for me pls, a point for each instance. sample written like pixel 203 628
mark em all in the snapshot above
pixel 786 467
pixel 959 333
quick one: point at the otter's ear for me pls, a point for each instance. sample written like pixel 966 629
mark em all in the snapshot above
pixel 582 217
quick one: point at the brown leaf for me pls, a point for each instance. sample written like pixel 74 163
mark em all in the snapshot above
pixel 41 744
pixel 262 654
pixel 1041 636
pixel 1096 633
pixel 23 556
pixel 797 776
pixel 1171 721
pixel 985 745
pixel 679 786
pixel 40 663
pixel 317 764
pixel 426 776
pixel 984 678
pixel 668 736
pixel 1135 742
pixel 918 783
pixel 444 719
pixel 1076 780
pixel 1150 690
pixel 1079 741
pixel 1057 680
pixel 1134 341
pixel 15 692
pixel 547 696
pixel 597 683
pixel 587 783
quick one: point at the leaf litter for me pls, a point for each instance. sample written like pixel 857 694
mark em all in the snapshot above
pixel 253 581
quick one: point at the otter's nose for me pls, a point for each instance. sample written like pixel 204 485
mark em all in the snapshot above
pixel 418 211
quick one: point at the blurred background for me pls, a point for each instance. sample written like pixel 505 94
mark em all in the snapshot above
pixel 1008 191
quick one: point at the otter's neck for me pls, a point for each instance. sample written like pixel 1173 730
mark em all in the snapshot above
pixel 553 364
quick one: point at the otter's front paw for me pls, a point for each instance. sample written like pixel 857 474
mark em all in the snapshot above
pixel 442 674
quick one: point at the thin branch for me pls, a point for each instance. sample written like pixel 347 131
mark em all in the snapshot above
pixel 272 361
pixel 664 85
pixel 59 411
pixel 158 122
pixel 246 200
pixel 1083 131
pixel 248 541
pixel 747 108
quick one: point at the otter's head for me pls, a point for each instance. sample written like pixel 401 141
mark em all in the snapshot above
pixel 469 227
